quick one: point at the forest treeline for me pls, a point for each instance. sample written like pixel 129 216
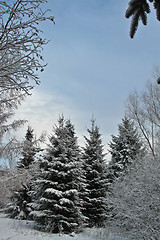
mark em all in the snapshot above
pixel 64 187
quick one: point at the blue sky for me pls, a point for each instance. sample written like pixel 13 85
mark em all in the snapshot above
pixel 93 66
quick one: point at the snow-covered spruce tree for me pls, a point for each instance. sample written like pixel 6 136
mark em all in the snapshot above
pixel 94 166
pixel 139 9
pixel 56 206
pixel 29 150
pixel 124 148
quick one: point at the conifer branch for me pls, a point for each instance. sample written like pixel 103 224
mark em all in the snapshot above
pixel 138 9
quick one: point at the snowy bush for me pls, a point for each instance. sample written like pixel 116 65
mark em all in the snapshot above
pixel 9 182
pixel 134 201
pixel 14 181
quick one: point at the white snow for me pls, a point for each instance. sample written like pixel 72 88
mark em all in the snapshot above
pixel 12 229
pixel 71 191
pixel 54 191
pixel 64 201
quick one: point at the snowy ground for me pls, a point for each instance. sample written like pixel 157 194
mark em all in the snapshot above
pixel 11 229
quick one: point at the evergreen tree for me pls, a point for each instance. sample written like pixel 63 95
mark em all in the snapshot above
pixel 29 150
pixel 18 208
pixel 124 148
pixel 56 207
pixel 94 166
pixel 27 171
pixel 21 193
pixel 139 9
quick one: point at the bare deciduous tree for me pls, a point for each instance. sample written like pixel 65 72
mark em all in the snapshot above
pixel 21 46
pixel 9 101
pixel 21 42
pixel 144 109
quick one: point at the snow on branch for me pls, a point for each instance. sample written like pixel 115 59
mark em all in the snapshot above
pixel 53 191
pixel 21 43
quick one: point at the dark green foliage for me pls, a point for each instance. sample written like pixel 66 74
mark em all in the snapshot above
pixel 94 166
pixel 138 9
pixel 57 207
pixel 29 150
pixel 156 4
pixel 18 208
pixel 124 148
pixel 20 199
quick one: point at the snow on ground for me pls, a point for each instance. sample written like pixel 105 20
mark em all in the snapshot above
pixel 12 229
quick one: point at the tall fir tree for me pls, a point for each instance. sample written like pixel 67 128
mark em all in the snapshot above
pixel 57 207
pixel 29 150
pixel 95 174
pixel 124 148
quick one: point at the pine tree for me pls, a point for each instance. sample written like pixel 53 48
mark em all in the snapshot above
pixel 94 166
pixel 139 9
pixel 29 150
pixel 124 148
pixel 56 207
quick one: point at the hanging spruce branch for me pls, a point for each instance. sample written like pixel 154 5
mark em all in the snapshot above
pixel 157 7
pixel 138 10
